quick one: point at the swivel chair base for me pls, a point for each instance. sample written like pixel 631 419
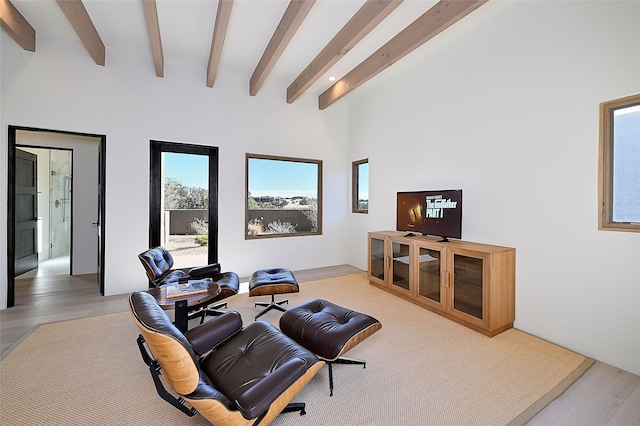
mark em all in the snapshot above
pixel 270 306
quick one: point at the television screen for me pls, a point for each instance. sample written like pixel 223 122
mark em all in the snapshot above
pixel 436 213
pixel 409 214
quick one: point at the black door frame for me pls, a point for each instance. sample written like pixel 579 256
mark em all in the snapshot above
pixel 155 190
pixel 11 198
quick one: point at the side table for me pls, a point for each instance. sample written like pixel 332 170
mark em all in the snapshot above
pixel 184 304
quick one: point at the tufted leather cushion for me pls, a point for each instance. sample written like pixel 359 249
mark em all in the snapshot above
pixel 253 355
pixel 326 329
pixel 229 284
pixel 272 281
pixel 210 334
pixel 206 271
pixel 148 313
pixel 171 348
pixel 157 263
pixel 253 401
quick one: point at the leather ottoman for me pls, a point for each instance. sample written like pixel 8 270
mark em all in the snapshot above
pixel 328 330
pixel 271 282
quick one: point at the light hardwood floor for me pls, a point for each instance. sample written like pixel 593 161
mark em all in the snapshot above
pixel 604 395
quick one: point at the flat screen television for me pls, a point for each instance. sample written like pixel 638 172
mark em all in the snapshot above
pixel 436 213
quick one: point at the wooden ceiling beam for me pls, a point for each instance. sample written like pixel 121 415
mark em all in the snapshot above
pixel 435 20
pixel 153 28
pixel 291 20
pixel 366 19
pixel 79 19
pixel 17 26
pixel 219 33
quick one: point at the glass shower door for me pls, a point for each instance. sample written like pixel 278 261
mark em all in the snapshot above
pixel 60 203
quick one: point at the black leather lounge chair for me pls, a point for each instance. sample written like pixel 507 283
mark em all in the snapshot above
pixel 229 374
pixel 158 262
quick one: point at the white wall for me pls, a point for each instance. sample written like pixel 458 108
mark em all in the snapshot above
pixel 60 88
pixel 505 106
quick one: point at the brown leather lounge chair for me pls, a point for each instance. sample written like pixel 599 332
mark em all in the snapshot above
pixel 229 374
pixel 158 262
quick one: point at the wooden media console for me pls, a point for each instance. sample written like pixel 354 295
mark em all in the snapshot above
pixel 470 283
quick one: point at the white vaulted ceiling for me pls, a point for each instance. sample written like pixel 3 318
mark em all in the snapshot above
pixel 186 31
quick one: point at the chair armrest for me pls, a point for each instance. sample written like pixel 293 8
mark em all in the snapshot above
pixel 207 336
pixel 207 271
pixel 258 398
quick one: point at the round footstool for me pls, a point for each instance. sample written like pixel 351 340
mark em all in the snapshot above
pixel 328 330
pixel 271 282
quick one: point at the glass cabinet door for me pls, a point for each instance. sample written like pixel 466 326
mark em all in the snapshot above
pixel 467 285
pixel 429 274
pixel 376 261
pixel 400 265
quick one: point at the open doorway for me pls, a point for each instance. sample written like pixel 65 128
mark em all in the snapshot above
pixel 77 201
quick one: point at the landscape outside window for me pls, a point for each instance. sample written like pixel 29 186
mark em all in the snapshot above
pixel 186 206
pixel 360 181
pixel 626 164
pixel 283 196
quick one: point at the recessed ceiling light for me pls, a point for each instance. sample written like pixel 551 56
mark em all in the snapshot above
pixel 332 78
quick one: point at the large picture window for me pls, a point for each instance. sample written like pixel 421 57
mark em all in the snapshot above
pixel 284 196
pixel 184 202
pixel 619 174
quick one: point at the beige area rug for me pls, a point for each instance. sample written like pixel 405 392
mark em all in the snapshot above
pixel 422 369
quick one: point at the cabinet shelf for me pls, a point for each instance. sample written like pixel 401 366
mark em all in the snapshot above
pixel 470 283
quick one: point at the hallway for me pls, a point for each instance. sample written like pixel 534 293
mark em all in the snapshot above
pixel 48 268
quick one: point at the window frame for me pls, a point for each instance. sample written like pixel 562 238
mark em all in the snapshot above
pixel 156 185
pixel 319 202
pixel 355 186
pixel 606 166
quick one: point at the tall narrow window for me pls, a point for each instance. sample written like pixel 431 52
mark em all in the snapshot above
pixel 184 214
pixel 360 186
pixel 284 196
pixel 619 170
